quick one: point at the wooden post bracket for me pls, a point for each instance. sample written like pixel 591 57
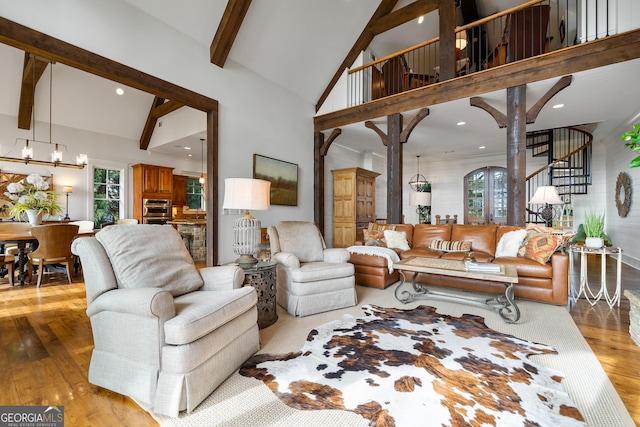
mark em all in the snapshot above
pixel 532 114
pixel 406 132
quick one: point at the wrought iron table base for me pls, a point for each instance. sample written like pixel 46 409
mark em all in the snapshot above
pixel 504 304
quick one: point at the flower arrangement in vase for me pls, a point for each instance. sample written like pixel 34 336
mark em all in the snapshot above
pixel 33 197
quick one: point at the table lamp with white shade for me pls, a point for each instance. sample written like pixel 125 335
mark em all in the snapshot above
pixel 246 194
pixel 422 200
pixel 546 195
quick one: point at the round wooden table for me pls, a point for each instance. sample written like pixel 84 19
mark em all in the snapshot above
pixel 21 239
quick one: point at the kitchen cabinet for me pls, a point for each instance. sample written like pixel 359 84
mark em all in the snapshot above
pixel 150 182
pixel 179 190
pixel 154 179
pixel 354 204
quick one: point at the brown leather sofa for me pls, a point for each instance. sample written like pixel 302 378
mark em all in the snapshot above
pixel 545 283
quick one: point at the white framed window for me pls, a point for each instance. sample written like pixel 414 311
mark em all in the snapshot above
pixel 107 195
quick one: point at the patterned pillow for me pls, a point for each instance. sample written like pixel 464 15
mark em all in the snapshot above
pixel 374 238
pixel 374 226
pixel 450 246
pixel 540 247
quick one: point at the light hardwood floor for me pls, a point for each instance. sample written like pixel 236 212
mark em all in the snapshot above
pixel 46 344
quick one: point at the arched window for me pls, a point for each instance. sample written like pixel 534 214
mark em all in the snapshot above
pixel 485 196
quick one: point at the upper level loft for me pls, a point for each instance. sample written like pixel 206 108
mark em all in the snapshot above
pixel 518 35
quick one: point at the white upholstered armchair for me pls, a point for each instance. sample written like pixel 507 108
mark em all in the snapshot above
pixel 165 333
pixel 310 278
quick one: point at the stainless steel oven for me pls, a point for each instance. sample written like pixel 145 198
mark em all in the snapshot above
pixel 156 211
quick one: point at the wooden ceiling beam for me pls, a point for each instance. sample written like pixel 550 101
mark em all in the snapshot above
pixel 50 48
pixel 32 70
pixel 165 108
pixel 363 41
pixel 227 31
pixel 159 107
pixel 404 15
pixel 582 57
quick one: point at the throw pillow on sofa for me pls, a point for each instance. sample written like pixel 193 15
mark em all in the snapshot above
pixel 539 247
pixel 510 243
pixel 450 246
pixel 374 238
pixel 396 240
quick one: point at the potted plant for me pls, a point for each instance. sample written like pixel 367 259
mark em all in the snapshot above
pixel 633 142
pixel 33 197
pixel 594 229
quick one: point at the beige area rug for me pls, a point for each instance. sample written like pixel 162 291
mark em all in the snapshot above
pixel 242 401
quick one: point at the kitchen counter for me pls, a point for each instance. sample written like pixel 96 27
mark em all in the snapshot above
pixel 194 234
pixel 188 221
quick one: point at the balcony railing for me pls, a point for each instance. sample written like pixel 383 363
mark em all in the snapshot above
pixel 525 31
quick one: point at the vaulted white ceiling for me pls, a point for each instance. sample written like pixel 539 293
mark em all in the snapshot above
pixel 298 44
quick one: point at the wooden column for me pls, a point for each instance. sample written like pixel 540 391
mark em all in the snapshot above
pixel 447 10
pixel 516 154
pixel 394 169
pixel 211 190
pixel 318 181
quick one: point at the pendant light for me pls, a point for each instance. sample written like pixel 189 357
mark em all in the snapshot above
pixel 418 182
pixel 27 153
pixel 201 180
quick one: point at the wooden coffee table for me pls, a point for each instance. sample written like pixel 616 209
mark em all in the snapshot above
pixel 505 304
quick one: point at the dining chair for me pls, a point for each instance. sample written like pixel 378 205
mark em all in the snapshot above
pixel 85 226
pixel 9 262
pixel 54 247
pixel 127 221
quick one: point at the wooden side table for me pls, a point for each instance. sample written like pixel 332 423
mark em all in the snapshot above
pixel 262 277
pixel 584 288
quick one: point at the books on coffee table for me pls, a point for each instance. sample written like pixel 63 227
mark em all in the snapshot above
pixel 483 267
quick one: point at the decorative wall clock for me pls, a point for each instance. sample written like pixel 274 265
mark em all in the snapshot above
pixel 623 194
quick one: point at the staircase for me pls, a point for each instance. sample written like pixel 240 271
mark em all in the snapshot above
pixel 568 154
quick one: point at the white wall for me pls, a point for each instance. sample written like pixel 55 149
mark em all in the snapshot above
pixel 624 232
pixel 256 116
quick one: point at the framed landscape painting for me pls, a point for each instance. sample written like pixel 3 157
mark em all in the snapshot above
pixel 283 177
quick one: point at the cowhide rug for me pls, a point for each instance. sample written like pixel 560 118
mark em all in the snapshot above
pixel 417 367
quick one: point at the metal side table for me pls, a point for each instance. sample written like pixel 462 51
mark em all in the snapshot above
pixel 584 288
pixel 262 277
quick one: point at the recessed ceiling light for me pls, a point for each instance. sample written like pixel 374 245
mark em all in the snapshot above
pixel 190 155
pixel 482 147
pixel 421 19
pixel 558 106
pixel 120 91
pixel 187 148
pixel 461 123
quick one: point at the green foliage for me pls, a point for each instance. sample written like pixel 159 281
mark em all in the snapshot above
pixel 593 223
pixel 633 143
pixel 424 188
pixel 581 236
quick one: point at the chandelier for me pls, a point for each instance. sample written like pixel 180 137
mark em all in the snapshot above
pixel 27 153
pixel 418 182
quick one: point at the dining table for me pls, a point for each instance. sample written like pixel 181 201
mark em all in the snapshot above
pixel 21 238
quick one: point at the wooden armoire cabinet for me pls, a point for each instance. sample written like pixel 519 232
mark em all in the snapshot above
pixel 354 204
